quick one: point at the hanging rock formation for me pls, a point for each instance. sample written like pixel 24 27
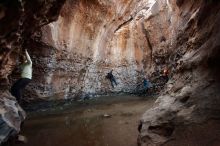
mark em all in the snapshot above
pixel 18 20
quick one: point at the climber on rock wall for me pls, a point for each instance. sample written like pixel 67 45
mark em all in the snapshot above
pixel 147 84
pixel 166 74
pixel 26 76
pixel 111 78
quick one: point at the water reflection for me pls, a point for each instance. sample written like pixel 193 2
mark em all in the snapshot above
pixel 88 126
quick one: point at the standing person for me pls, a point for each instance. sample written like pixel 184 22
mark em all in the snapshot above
pixel 111 78
pixel 26 76
pixel 147 84
pixel 166 74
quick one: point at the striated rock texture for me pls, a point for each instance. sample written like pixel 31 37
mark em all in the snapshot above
pixel 136 38
pixel 81 49
pixel 12 116
pixel 73 55
pixel 18 20
pixel 187 113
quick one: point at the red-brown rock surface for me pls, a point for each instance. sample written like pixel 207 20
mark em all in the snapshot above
pixel 188 112
pixel 72 56
pixel 136 38
pixel 19 19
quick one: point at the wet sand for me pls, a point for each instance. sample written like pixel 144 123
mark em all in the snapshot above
pixel 110 121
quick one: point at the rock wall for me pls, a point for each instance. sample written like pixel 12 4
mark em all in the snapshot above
pixel 134 38
pixel 80 53
pixel 137 38
pixel 12 116
pixel 187 113
pixel 73 55
pixel 18 20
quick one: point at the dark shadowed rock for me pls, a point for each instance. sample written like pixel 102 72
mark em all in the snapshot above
pixel 11 118
pixel 179 2
pixel 19 19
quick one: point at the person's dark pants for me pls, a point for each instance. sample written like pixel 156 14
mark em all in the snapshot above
pixel 19 85
pixel 113 81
